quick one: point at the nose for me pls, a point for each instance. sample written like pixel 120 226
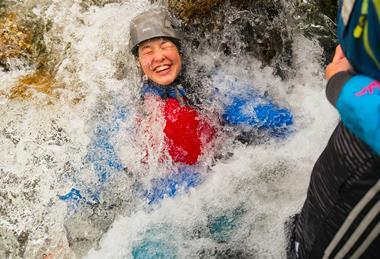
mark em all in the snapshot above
pixel 158 55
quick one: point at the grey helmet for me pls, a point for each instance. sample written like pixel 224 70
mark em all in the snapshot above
pixel 151 24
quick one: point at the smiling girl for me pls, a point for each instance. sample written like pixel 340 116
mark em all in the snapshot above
pixel 186 131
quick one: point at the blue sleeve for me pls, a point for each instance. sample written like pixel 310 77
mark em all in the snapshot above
pixel 248 109
pixel 358 103
pixel 259 112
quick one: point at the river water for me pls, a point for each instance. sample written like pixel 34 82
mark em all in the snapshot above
pixel 82 140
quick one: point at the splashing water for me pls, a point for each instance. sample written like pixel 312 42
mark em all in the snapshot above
pixel 64 190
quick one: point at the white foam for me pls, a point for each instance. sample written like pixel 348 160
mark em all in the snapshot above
pixel 44 147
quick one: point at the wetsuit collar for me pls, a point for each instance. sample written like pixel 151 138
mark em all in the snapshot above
pixel 167 91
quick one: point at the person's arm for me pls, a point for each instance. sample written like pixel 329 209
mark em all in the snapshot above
pixel 248 109
pixel 259 112
pixel 357 99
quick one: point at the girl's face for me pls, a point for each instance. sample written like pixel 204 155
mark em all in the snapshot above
pixel 160 60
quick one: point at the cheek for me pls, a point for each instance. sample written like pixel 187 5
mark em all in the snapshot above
pixel 179 64
pixel 145 64
pixel 175 58
pixel 172 54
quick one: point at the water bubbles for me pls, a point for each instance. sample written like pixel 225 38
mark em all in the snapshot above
pixel 72 160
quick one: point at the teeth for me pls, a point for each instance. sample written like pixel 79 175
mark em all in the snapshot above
pixel 161 68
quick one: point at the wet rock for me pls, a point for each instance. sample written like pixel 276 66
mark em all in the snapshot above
pixel 88 3
pixel 15 41
pixel 328 8
pixel 22 239
pixel 316 20
pixel 22 45
pixel 21 37
pixel 41 81
pixel 253 27
pixel 189 10
pixel 261 28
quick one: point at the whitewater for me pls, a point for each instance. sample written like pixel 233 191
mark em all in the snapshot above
pixel 50 145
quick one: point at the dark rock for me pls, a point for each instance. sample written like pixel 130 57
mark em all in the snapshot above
pixel 316 20
pixel 261 28
pixel 237 27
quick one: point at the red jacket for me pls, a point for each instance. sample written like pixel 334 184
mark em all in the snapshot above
pixel 186 131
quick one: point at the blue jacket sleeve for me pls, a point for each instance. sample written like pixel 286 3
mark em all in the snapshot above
pixel 357 99
pixel 249 109
pixel 259 112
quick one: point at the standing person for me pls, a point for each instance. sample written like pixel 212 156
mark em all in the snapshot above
pixel 341 215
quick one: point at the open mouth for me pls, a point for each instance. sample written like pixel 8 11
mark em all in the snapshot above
pixel 162 68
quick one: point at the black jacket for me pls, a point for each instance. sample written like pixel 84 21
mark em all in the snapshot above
pixel 341 215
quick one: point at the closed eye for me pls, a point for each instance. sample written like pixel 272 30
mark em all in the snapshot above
pixel 146 50
pixel 167 44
